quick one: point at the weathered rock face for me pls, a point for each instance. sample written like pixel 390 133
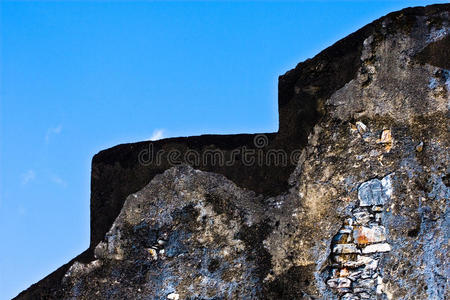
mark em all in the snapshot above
pixel 362 214
pixel 187 232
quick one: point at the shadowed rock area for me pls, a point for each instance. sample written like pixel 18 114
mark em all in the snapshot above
pixel 348 200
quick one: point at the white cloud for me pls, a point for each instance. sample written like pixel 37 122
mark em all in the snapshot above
pixel 58 180
pixel 28 176
pixel 157 135
pixel 52 131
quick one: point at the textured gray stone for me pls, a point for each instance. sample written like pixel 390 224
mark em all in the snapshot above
pixel 372 192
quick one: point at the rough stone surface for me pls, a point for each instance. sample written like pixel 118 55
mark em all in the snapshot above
pixel 361 215
pixel 189 233
pixel 373 192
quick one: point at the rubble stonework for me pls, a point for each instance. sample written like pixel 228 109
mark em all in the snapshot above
pixel 358 246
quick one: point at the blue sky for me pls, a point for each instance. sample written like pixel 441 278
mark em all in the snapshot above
pixel 79 77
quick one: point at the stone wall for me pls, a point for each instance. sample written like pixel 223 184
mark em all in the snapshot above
pixel 361 214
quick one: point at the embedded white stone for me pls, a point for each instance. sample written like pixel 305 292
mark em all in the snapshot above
pixel 386 137
pixel 367 235
pixel 333 283
pixel 375 248
pixel 375 192
pixel 360 261
pixel 378 217
pixel 377 208
pixel 419 147
pixel 354 275
pixel 340 282
pixel 362 217
pixel 153 253
pixel 349 296
pixel 345 249
pixel 387 185
pixel 379 285
pixel 173 296
pixel 345 230
pixel 361 127
pixel 373 265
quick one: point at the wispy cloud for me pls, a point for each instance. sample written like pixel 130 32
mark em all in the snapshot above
pixel 28 176
pixel 157 135
pixel 58 180
pixel 52 131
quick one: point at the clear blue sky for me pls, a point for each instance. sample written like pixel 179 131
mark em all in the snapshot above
pixel 79 77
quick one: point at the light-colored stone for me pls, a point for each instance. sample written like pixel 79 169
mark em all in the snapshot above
pixel 386 137
pixel 358 290
pixel 173 296
pixel 378 217
pixel 377 208
pixel 362 218
pixel 419 147
pixel 367 235
pixel 345 249
pixel 349 296
pixel 374 192
pixel 346 230
pixel 340 282
pixel 343 272
pixel 362 128
pixel 354 275
pixel 379 285
pixel 153 253
pixel 374 153
pixel 372 265
pixel 377 248
pixel 360 261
